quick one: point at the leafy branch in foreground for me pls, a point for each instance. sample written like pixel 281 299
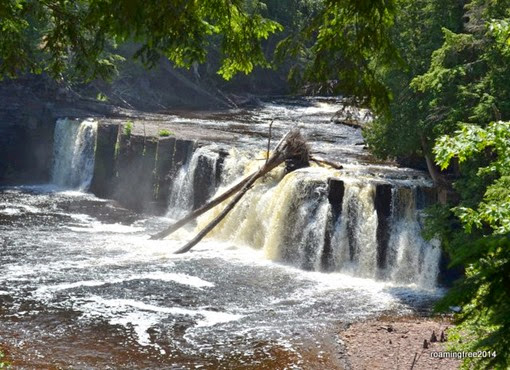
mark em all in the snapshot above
pixel 344 47
pixel 57 36
pixel 339 45
pixel 482 242
pixel 493 211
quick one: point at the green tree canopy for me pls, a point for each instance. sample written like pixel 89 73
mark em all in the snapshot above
pixel 455 99
pixel 341 43
pixel 478 237
pixel 78 35
pixel 343 48
pixel 416 34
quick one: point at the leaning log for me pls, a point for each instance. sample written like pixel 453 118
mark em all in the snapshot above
pixel 199 211
pixel 271 164
pixel 323 161
pixel 213 203
pixel 292 145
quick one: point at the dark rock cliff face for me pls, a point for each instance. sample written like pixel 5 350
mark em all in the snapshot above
pixel 165 169
pixel 29 108
pixel 137 171
pixel 26 134
pixel 133 181
pixel 336 191
pixel 383 208
pixel 104 166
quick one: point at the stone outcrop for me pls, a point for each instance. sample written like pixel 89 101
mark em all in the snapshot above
pixel 104 166
pixel 135 170
pixel 26 134
pixel 165 170
pixel 382 204
pixel 336 190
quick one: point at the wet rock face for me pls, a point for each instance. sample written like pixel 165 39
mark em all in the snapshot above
pixel 104 165
pixel 139 171
pixel 11 139
pixel 202 186
pixel 336 191
pixel 382 204
pixel 165 169
pixel 26 137
pixel 336 196
pixel 134 181
pixel 183 151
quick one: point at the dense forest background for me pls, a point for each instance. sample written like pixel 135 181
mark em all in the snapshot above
pixel 436 75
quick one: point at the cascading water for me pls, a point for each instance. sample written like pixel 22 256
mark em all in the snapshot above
pixel 289 219
pixel 285 218
pixel 85 287
pixel 195 181
pixel 354 240
pixel 410 258
pixel 73 153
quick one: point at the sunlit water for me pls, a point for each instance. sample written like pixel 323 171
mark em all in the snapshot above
pixel 313 116
pixel 82 286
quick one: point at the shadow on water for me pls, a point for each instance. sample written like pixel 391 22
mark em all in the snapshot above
pixel 420 302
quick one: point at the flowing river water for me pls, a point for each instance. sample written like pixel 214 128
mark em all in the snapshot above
pixel 83 287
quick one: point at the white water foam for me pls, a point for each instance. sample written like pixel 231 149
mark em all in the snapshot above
pixel 182 192
pixel 183 279
pixel 73 153
pixel 142 316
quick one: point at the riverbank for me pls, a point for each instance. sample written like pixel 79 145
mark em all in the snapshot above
pixel 392 342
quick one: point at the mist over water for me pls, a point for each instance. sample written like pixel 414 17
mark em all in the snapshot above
pixel 82 286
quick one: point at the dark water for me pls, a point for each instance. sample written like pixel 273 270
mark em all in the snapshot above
pixel 82 287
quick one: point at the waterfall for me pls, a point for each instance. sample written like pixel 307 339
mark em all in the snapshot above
pixel 410 258
pixel 291 219
pixel 287 218
pixel 195 181
pixel 354 240
pixel 73 153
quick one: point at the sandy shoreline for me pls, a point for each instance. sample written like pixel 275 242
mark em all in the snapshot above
pixel 396 343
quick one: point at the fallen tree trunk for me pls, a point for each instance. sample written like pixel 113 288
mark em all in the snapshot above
pixel 292 145
pixel 209 205
pixel 319 161
pixel 199 211
pixel 273 163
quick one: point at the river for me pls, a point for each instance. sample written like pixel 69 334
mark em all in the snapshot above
pixel 82 286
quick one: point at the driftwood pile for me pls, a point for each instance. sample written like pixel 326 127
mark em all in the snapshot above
pixel 292 147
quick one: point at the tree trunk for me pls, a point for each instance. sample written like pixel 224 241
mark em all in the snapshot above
pixel 292 145
pixel 319 161
pixel 206 207
pixel 273 163
pixel 431 166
